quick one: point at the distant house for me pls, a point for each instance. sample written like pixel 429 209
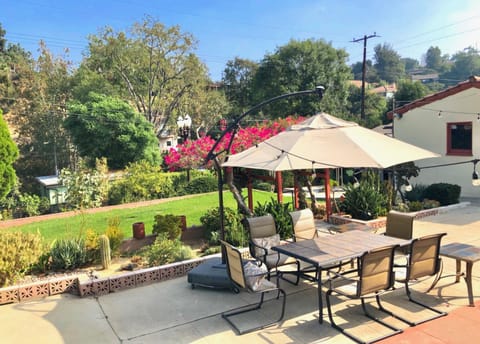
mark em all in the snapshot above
pixel 386 91
pixel 51 188
pixel 423 76
pixel 448 123
pixel 167 141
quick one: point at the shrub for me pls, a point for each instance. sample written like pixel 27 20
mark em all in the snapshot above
pixel 234 231
pixel 201 185
pixel 114 234
pixel 19 252
pixel 142 181
pixel 92 245
pixel 164 251
pixel 367 200
pixel 430 203
pixel 415 206
pixel 416 194
pixel 280 213
pixel 264 186
pixel 68 254
pixel 443 192
pixel 169 224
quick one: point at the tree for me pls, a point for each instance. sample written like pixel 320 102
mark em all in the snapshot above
pixel 465 64
pixel 410 64
pixel 109 127
pixel 375 106
pixel 303 65
pixel 237 78
pixel 151 65
pixel 434 59
pixel 41 89
pixel 8 154
pixel 409 91
pixel 388 63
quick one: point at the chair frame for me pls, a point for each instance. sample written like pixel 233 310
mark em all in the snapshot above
pixel 269 221
pixel 236 263
pixel 386 252
pixel 412 274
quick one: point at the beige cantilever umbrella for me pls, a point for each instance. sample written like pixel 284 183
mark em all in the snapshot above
pixel 325 141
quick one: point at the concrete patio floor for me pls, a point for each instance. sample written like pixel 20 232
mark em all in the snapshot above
pixel 172 312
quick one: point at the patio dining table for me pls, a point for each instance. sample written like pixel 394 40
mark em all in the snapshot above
pixel 325 251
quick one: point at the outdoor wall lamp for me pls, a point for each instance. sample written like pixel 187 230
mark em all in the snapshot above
pixel 475 180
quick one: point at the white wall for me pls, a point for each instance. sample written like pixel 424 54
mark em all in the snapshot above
pixel 424 128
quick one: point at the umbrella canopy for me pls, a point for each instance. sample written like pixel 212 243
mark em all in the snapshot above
pixel 325 141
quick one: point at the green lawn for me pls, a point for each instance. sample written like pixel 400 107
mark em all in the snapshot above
pixel 193 208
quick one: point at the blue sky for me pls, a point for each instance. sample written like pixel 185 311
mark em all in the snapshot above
pixel 250 29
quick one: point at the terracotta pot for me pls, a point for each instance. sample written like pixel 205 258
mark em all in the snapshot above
pixel 138 230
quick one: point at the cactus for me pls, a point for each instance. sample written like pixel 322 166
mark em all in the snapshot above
pixel 105 253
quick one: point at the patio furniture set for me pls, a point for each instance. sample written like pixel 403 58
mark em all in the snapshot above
pixel 358 264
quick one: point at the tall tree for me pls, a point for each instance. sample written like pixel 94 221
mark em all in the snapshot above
pixel 375 106
pixel 388 63
pixel 8 154
pixel 465 64
pixel 410 64
pixel 41 88
pixel 303 65
pixel 153 66
pixel 434 59
pixel 237 78
pixel 106 127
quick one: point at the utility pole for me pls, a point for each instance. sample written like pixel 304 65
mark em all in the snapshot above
pixel 364 68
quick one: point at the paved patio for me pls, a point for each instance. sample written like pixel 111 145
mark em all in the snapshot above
pixel 172 312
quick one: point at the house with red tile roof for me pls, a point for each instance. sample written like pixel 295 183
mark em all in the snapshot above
pixel 448 123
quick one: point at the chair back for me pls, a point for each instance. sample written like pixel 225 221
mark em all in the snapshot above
pixel 399 225
pixel 424 256
pixel 303 224
pixel 261 226
pixel 234 265
pixel 376 270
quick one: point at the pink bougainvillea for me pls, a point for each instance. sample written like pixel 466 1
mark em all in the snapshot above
pixel 192 153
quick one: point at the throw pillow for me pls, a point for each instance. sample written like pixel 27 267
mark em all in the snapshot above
pixel 267 242
pixel 254 275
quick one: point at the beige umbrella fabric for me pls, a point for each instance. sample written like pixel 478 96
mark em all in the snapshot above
pixel 325 141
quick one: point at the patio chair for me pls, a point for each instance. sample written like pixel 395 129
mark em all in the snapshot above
pixel 423 261
pixel 373 277
pixel 400 225
pixel 250 277
pixel 263 236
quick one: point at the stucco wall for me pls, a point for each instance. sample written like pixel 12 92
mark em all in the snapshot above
pixel 423 127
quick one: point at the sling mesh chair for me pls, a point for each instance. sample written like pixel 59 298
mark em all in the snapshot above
pixel 250 277
pixel 400 225
pixel 264 236
pixel 423 261
pixel 373 277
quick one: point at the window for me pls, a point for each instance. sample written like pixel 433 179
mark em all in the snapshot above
pixel 459 138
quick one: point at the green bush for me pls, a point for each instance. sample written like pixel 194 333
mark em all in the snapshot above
pixel 164 251
pixel 234 231
pixel 415 206
pixel 445 193
pixel 367 200
pixel 141 182
pixel 430 203
pixel 201 185
pixel 169 224
pixel 264 186
pixel 68 254
pixel 280 212
pixel 416 194
pixel 19 252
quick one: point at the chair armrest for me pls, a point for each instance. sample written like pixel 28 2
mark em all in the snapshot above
pixel 253 246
